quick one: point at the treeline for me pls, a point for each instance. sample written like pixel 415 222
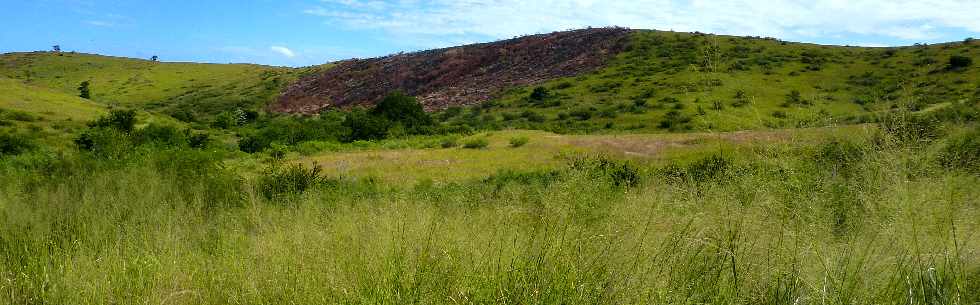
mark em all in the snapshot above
pixel 397 115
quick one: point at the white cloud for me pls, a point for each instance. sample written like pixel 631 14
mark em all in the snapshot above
pixel 898 19
pixel 284 51
pixel 100 23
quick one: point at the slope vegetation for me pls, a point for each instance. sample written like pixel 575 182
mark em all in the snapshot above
pixel 457 76
pixel 679 81
pixel 188 91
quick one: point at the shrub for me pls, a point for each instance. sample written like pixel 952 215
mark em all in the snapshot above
pixel 14 144
pixel 84 91
pixel 364 126
pixel 532 116
pixel 406 110
pixel 538 94
pixel 838 155
pixel 289 180
pixel 476 143
pixel 582 114
pixel 18 116
pixel 958 62
pixel 121 120
pixel 619 173
pixel 711 168
pixel 108 143
pixel 674 120
pixel 198 140
pixel 160 135
pixel 908 128
pixel 449 142
pixel 519 141
pixel 963 152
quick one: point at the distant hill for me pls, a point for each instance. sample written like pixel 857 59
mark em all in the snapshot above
pixel 614 78
pixel 187 91
pixel 465 75
pixel 605 79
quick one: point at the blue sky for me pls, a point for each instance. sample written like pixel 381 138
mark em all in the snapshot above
pixel 307 32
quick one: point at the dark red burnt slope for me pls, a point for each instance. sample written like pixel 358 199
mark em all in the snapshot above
pixel 456 76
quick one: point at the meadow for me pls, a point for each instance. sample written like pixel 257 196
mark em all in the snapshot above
pixel 691 169
pixel 841 215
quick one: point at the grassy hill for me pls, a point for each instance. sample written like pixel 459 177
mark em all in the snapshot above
pixel 187 91
pixel 669 81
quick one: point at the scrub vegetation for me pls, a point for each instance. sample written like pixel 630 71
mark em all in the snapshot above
pixel 172 183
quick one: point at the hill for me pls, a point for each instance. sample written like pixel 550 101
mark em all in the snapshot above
pixel 650 81
pixel 188 91
pixel 465 75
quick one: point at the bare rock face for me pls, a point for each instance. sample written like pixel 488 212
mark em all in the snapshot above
pixel 457 76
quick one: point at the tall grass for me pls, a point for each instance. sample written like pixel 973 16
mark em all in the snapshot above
pixel 847 221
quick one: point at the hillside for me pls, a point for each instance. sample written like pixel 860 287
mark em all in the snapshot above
pixel 591 80
pixel 187 91
pixel 651 81
pixel 465 75
pixel 680 81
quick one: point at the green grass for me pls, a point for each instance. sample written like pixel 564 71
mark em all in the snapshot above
pixel 48 104
pixel 190 91
pixel 836 216
pixel 723 83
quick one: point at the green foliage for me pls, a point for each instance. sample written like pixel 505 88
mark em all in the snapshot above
pixel 121 120
pixel 519 141
pixel 476 143
pixel 959 62
pixel 398 108
pixel 84 91
pixel 15 143
pixel 449 142
pixel 908 128
pixel 619 173
pixel 962 152
pixel 539 95
pixel 365 126
pixel 714 168
pixel 279 180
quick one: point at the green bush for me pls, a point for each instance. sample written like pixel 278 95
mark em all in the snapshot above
pixel 619 173
pixel 908 128
pixel 121 120
pixel 294 179
pixel 449 142
pixel 398 108
pixel 958 62
pixel 162 135
pixel 14 144
pixel 476 143
pixel 963 152
pixel 365 126
pixel 519 141
pixel 108 143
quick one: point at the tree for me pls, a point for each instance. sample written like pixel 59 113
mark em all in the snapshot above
pixel 539 94
pixel 957 62
pixel 365 126
pixel 56 48
pixel 405 110
pixel 83 90
pixel 155 58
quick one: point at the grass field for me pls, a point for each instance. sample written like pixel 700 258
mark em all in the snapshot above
pixel 827 216
pixel 686 172
pixel 188 91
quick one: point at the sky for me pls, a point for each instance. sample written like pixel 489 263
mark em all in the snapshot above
pixel 310 32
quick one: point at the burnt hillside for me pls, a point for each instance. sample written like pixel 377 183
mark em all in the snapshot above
pixel 455 76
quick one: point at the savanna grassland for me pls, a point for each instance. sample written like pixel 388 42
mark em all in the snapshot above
pixel 172 183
